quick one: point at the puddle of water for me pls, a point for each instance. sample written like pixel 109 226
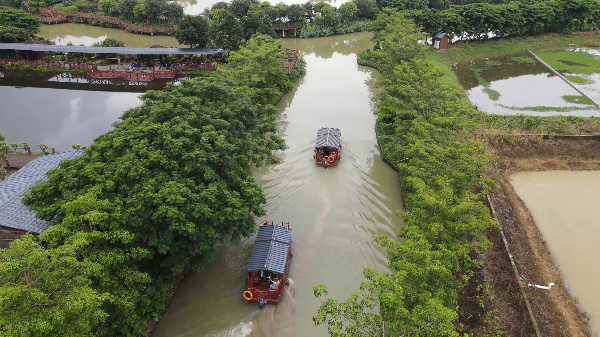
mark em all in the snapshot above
pixel 591 89
pixel 566 209
pixel 518 86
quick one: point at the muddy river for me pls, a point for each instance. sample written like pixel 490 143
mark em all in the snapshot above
pixel 566 208
pixel 334 212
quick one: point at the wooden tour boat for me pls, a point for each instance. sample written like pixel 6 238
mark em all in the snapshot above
pixel 269 263
pixel 328 147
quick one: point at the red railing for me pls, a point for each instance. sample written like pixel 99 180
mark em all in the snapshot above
pixel 148 75
pixel 51 15
pixel 51 64
pixel 287 26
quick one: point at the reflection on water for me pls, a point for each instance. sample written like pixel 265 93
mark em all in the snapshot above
pixel 520 85
pixel 566 208
pixel 77 34
pixel 333 212
pixel 60 118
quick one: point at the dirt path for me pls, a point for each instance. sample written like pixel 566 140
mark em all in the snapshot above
pixel 556 312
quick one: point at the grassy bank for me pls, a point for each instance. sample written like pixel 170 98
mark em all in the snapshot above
pixel 465 50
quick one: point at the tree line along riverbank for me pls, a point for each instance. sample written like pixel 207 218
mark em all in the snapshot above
pixel 424 124
pixel 149 200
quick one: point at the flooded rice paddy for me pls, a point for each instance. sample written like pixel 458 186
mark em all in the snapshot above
pixel 566 209
pixel 334 212
pixel 518 84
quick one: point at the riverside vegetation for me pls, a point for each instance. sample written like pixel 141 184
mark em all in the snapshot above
pixel 430 132
pixel 150 200
pixel 424 125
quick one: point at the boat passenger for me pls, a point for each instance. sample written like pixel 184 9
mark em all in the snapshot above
pixel 275 283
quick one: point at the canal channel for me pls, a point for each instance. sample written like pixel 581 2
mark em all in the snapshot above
pixel 334 212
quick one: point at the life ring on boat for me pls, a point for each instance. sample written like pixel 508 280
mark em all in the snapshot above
pixel 331 159
pixel 247 295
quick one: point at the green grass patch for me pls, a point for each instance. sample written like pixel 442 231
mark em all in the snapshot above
pixel 492 94
pixel 578 79
pixel 572 125
pixel 577 99
pixel 491 64
pixel 549 108
pixel 472 49
pixel 572 62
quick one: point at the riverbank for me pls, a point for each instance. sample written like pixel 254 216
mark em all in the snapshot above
pixel 556 311
pixel 463 50
pixel 495 286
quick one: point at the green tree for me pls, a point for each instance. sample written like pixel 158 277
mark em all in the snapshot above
pixel 34 5
pixel 330 16
pixel 348 11
pixel 14 34
pixel 48 292
pixel 256 65
pixel 86 6
pixel 139 10
pixel 366 9
pixel 109 42
pixel 111 7
pixel 110 247
pixel 172 12
pixel 295 13
pixel 154 9
pixel 20 19
pixel 193 31
pixel 127 8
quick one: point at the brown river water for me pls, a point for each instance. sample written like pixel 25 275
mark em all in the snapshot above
pixel 334 212
pixel 566 209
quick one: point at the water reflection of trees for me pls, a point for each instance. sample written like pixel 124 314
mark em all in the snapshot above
pixel 325 47
pixel 508 69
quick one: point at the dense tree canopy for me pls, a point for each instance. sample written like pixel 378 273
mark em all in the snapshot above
pixel 14 34
pixel 193 31
pixel 20 19
pixel 476 20
pixel 151 198
pixel 47 292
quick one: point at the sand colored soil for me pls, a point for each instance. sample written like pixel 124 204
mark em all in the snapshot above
pixel 556 312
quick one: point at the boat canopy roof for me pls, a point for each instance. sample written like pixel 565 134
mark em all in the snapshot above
pixel 270 249
pixel 329 137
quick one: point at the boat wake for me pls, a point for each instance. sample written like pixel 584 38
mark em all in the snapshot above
pixel 241 330
pixel 277 320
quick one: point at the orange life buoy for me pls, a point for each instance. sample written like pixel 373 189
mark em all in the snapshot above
pixel 247 295
pixel 331 159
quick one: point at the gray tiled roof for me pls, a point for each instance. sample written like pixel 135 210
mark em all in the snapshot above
pixel 329 137
pixel 13 213
pixel 270 249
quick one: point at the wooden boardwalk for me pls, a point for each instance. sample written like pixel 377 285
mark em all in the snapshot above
pixel 51 15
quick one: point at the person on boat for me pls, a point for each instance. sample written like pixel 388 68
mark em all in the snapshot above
pixel 275 283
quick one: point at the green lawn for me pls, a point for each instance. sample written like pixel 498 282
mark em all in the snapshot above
pixel 572 62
